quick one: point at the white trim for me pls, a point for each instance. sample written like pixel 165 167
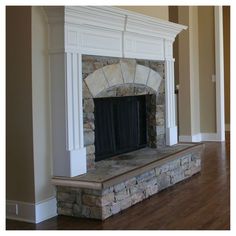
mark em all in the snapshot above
pixel 210 137
pixel 171 128
pixel 189 138
pixel 219 69
pixel 227 127
pixel 171 135
pixel 201 137
pixel 104 31
pixel 30 212
pixel 185 138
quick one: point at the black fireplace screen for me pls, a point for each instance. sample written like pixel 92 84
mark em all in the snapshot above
pixel 120 125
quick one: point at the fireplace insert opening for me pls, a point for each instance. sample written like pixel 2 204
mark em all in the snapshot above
pixel 120 125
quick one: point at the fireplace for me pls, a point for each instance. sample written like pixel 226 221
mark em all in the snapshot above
pixel 112 90
pixel 123 105
pixel 120 125
pixel 135 48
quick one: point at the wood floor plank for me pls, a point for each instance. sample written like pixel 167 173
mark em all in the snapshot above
pixel 201 202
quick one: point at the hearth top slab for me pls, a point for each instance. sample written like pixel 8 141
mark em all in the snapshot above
pixel 119 168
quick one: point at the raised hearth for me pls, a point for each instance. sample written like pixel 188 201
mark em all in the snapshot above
pixel 122 181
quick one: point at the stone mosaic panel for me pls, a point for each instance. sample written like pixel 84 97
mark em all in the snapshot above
pixel 115 77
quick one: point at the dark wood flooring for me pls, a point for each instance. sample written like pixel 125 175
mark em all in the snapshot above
pixel 201 202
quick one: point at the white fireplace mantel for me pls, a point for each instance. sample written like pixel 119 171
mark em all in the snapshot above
pixel 103 31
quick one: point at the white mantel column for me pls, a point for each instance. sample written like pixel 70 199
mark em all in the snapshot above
pixel 171 128
pixel 69 154
pixel 68 151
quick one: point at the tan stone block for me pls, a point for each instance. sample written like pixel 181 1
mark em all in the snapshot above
pixel 88 105
pixel 91 200
pixel 64 211
pixel 92 212
pixel 154 80
pixel 141 74
pixel 128 67
pixel 86 92
pixel 90 149
pixel 96 82
pixel 66 197
pixel 113 74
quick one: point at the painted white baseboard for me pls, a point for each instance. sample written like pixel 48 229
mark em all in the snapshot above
pixel 227 127
pixel 189 138
pixel 199 137
pixel 30 212
pixel 210 137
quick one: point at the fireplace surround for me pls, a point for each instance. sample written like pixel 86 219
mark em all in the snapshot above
pixel 105 53
pixel 76 31
pixel 112 77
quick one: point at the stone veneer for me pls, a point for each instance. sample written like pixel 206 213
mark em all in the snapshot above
pixel 115 77
pixel 105 202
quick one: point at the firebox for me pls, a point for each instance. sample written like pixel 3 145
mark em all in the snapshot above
pixel 120 125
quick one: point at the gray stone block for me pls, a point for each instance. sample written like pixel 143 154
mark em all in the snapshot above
pixel 106 212
pixel 163 181
pixel 65 211
pixel 119 187
pixel 77 210
pixel 130 182
pixel 91 200
pixel 134 189
pixel 150 190
pixel 115 208
pixel 107 199
pixel 68 197
pixel 92 212
pixel 89 138
pixel 126 203
pixel 119 196
pixel 137 197
pixel 88 105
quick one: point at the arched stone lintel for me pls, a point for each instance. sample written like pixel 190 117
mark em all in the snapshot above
pixel 127 89
pixel 124 74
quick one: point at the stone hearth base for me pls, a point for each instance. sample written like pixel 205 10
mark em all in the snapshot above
pixel 99 195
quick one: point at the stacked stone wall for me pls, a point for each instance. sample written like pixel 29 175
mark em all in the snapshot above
pixel 103 203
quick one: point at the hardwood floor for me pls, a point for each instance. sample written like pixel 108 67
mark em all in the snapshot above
pixel 201 202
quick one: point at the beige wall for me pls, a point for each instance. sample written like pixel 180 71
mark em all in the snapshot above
pixel 28 111
pixel 174 17
pixel 41 108
pixel 154 11
pixel 194 70
pixel 226 20
pixel 19 139
pixel 196 59
pixel 207 69
pixel 184 73
pixel 189 111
